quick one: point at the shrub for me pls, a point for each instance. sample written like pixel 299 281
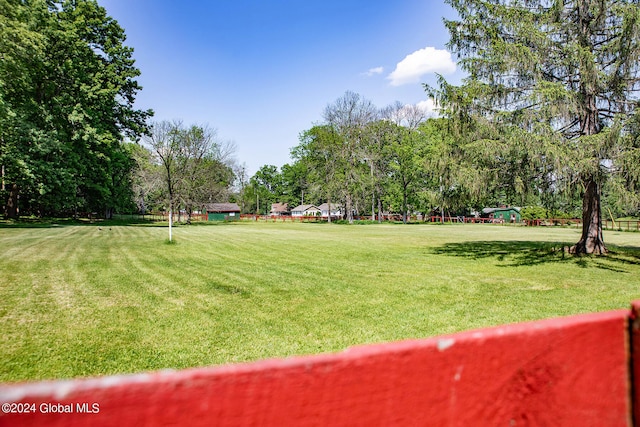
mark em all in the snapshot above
pixel 533 212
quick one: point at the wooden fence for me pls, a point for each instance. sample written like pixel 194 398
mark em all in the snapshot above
pixel 607 224
pixel 574 371
pixel 159 216
pixel 287 218
pixel 623 225
pixel 466 219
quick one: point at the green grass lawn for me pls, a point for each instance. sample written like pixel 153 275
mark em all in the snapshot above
pixel 85 300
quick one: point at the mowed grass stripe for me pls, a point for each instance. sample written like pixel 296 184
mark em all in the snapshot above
pixel 32 243
pixel 94 300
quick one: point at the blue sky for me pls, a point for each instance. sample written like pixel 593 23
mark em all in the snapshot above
pixel 261 72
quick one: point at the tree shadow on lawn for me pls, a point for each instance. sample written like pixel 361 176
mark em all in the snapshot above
pixel 40 223
pixel 66 222
pixel 527 253
pixel 165 224
pixel 230 289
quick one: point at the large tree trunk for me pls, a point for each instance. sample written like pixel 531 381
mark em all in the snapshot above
pixel 349 209
pixel 405 209
pixel 12 211
pixel 591 241
pixel 373 207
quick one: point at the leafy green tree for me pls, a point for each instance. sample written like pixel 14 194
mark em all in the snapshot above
pixel 380 135
pixel 23 48
pixel 68 88
pixel 445 169
pixel 364 155
pixel 406 154
pixel 624 186
pixel 239 193
pixel 216 178
pixel 560 78
pixel 120 184
pixel 295 183
pixel 196 167
pixel 320 154
pixel 164 141
pixel 267 187
pixel 146 178
pixel 202 175
pixel 348 118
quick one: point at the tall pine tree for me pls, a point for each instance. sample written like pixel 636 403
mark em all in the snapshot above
pixel 566 74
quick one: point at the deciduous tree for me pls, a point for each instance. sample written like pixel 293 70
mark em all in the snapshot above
pixel 320 153
pixel 196 166
pixel 406 152
pixel 68 86
pixel 267 187
pixel 348 118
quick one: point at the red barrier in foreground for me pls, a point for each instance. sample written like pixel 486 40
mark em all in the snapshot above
pixel 635 359
pixel 572 371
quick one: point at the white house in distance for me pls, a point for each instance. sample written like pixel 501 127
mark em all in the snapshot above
pixel 334 211
pixel 305 210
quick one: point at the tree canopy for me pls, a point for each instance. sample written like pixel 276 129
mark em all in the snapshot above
pixel 548 115
pixel 555 83
pixel 67 89
pixel 193 166
pixel 363 157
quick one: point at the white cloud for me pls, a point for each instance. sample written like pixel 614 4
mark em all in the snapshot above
pixel 421 62
pixel 429 107
pixel 372 71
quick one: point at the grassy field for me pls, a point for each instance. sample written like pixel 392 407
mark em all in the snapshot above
pixel 85 300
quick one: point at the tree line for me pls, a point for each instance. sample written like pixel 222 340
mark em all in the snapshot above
pixel 368 160
pixel 402 160
pixel 547 116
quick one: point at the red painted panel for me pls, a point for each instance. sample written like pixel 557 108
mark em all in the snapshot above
pixel 635 362
pixel 561 372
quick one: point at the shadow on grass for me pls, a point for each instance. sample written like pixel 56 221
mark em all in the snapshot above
pixel 42 223
pixel 526 253
pixel 155 223
pixel 230 289
pixel 67 222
